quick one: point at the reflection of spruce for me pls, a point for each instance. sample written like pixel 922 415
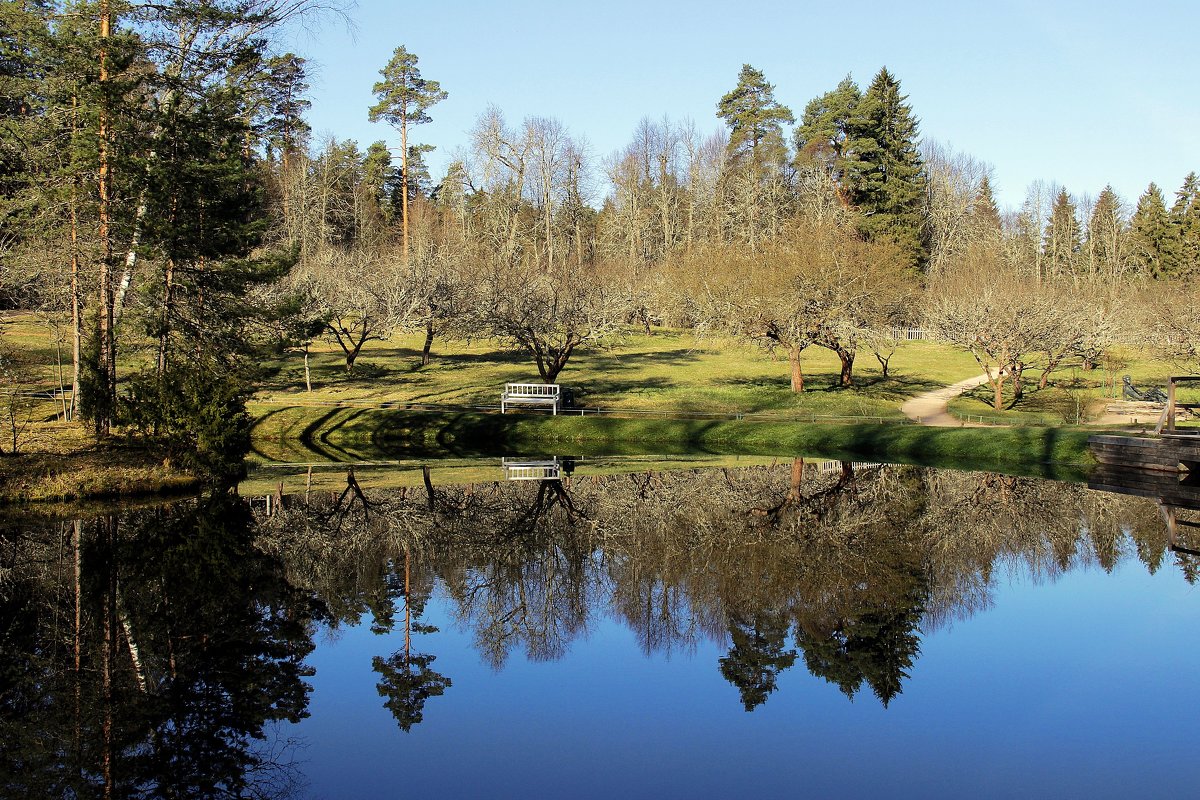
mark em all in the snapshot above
pixel 877 645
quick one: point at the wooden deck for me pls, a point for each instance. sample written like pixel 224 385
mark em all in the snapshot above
pixel 1166 453
pixel 1170 450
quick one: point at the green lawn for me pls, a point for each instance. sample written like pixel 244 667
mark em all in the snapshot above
pixel 668 371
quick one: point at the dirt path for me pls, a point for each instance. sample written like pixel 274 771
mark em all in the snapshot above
pixel 930 408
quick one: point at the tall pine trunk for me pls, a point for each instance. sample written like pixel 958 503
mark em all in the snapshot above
pixel 404 185
pixel 107 365
pixel 76 301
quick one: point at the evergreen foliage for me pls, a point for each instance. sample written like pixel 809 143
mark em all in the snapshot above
pixel 1106 234
pixel 1063 237
pixel 404 97
pixel 755 121
pixel 822 136
pixel 884 173
pixel 985 214
pixel 876 645
pixel 283 127
pixel 407 682
pixel 1185 217
pixel 757 656
pixel 197 417
pixel 1154 240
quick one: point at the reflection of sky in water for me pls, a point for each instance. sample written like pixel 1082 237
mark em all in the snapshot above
pixel 1077 687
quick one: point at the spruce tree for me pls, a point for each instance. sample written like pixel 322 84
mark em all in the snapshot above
pixel 985 214
pixel 755 121
pixel 1185 217
pixel 1063 239
pixel 1106 234
pixel 29 139
pixel 884 173
pixel 1153 239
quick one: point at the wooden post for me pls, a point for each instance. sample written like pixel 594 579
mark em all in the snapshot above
pixel 1171 404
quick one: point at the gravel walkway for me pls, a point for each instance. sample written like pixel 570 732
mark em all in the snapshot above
pixel 930 408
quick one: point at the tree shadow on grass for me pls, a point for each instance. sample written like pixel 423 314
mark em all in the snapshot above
pixel 457 361
pixel 611 388
pixel 312 438
pixel 892 386
pixel 491 435
pixel 604 362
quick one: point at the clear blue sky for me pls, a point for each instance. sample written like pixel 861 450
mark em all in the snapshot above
pixel 1082 93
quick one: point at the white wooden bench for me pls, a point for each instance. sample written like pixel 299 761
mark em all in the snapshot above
pixel 531 394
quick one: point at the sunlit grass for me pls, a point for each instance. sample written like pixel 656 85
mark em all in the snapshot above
pixel 667 371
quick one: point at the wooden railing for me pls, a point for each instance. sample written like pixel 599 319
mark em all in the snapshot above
pixel 1166 422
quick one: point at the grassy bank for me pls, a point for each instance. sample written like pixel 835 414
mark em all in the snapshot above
pixel 62 462
pixel 100 473
pixel 367 434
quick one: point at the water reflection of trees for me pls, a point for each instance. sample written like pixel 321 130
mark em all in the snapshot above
pixel 148 654
pixel 844 568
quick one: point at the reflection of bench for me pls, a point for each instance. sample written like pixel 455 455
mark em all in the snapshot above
pixel 550 469
pixel 531 394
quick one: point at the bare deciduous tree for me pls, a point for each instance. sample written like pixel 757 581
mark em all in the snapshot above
pixel 821 284
pixel 550 313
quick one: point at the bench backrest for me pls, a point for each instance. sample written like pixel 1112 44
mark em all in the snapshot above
pixel 532 389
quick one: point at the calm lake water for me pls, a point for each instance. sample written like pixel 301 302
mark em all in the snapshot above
pixel 605 628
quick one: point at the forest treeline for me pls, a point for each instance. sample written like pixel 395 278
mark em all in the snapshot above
pixel 162 199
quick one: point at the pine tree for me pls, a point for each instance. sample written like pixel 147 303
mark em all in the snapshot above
pixel 404 99
pixel 823 132
pixel 1063 238
pixel 283 88
pixel 755 121
pixel 884 173
pixel 1153 239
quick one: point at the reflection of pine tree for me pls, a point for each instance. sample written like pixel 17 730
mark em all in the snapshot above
pixel 1189 565
pixel 757 656
pixel 406 679
pixel 877 645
